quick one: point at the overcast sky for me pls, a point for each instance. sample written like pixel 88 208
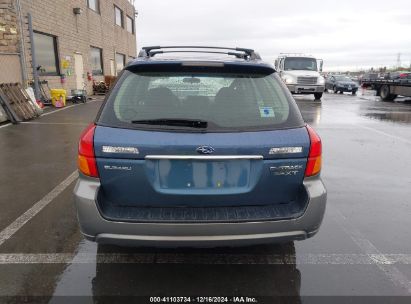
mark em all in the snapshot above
pixel 347 34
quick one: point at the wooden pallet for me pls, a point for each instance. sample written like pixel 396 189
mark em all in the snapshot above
pixel 16 102
pixel 12 116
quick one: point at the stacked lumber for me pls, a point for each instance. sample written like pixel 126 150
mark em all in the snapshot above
pixel 16 103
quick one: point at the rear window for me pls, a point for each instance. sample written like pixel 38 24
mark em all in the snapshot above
pixel 226 102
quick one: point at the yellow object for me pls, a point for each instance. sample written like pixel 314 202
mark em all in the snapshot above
pixel 58 97
pixel 65 64
pixel 317 166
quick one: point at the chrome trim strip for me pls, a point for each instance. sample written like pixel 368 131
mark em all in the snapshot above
pixel 204 157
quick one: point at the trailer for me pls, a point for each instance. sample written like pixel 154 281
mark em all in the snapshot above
pixel 388 89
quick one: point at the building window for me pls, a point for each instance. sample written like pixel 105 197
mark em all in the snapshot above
pixel 46 54
pixel 94 5
pixel 96 58
pixel 118 16
pixel 130 25
pixel 120 61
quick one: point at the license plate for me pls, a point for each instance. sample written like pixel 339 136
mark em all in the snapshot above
pixel 349 88
pixel 206 175
pixel 304 88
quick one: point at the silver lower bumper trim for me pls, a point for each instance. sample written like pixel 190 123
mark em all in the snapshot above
pixel 198 241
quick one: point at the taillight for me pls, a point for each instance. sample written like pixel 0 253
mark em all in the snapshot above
pixel 86 158
pixel 314 157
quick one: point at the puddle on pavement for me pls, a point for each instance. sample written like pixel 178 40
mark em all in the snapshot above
pixel 398 117
pixel 311 111
pixel 174 273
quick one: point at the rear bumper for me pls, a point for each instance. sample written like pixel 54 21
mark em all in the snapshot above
pixel 96 228
pixel 305 89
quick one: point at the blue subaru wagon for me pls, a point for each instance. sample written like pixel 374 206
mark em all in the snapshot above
pixel 199 146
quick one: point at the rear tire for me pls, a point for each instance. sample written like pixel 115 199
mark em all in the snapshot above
pixel 318 95
pixel 354 93
pixel 385 93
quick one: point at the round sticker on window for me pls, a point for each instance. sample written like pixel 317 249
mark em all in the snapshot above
pixel 267 112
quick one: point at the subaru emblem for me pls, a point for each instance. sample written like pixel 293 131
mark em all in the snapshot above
pixel 205 150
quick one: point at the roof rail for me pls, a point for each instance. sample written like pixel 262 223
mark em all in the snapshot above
pixel 151 51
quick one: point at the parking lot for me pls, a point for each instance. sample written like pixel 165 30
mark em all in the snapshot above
pixel 362 249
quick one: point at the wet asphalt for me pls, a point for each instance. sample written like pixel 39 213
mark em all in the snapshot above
pixel 362 253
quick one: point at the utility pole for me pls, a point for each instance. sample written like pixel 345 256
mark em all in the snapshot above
pixel 399 60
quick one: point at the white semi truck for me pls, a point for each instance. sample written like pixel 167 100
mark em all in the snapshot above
pixel 301 74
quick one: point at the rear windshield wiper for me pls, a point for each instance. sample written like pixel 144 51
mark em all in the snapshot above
pixel 191 123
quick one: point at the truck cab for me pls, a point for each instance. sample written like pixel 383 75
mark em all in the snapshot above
pixel 301 74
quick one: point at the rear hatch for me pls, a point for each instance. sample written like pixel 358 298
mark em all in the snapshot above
pixel 160 169
pixel 199 135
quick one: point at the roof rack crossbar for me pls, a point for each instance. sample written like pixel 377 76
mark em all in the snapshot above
pixel 249 53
